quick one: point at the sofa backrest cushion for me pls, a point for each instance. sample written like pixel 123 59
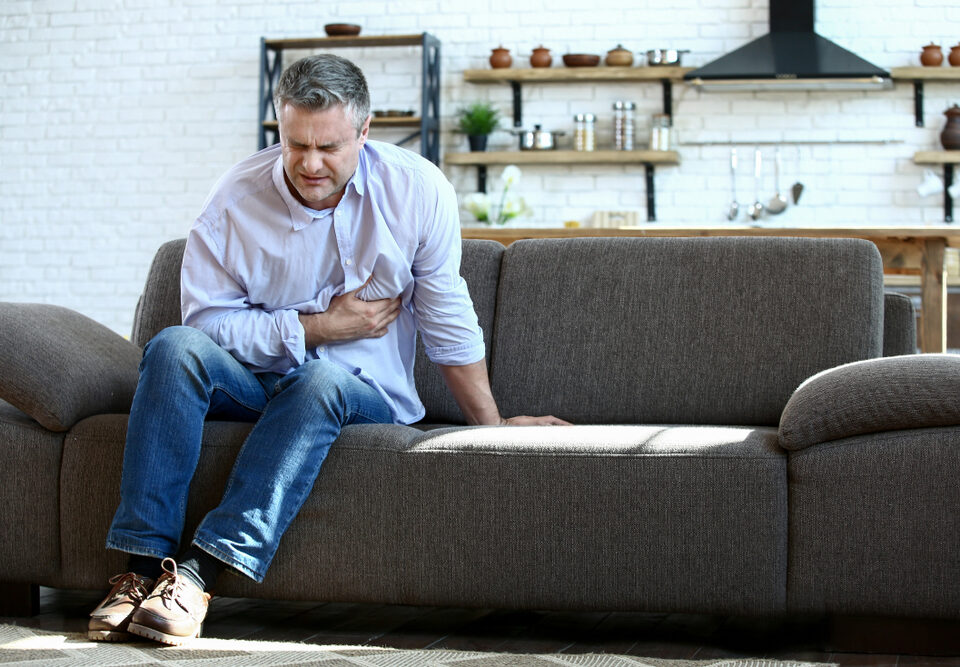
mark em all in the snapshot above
pixel 159 307
pixel 682 331
pixel 480 267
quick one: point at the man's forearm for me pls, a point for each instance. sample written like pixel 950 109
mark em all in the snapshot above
pixel 470 387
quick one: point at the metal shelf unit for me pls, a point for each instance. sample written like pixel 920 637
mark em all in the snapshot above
pixel 427 123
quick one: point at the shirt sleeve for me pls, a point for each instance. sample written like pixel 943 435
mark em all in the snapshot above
pixel 214 301
pixel 444 310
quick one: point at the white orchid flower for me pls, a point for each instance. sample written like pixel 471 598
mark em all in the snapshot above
pixel 510 176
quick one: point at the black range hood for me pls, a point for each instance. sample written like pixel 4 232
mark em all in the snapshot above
pixel 790 57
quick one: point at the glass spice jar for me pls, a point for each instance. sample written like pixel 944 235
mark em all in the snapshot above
pixel 661 135
pixel 623 125
pixel 584 132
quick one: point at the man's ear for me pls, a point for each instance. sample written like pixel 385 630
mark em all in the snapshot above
pixel 365 131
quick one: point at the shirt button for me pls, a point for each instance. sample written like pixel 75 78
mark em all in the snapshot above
pixel 349 262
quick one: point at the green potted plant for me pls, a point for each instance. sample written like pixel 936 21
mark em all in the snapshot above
pixel 477 121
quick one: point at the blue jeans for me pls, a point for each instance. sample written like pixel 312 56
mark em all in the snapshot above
pixel 186 377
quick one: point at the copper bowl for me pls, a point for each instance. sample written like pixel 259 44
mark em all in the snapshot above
pixel 581 60
pixel 341 29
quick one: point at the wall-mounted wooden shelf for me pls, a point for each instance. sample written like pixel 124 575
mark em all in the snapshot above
pixel 339 42
pixel 947 159
pixel 581 74
pixel 918 75
pixel 563 157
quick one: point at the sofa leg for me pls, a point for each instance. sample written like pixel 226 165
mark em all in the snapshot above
pixel 18 599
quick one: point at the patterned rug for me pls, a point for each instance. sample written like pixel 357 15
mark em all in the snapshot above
pixel 37 648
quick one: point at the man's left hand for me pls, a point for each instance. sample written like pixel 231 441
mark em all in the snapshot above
pixel 524 420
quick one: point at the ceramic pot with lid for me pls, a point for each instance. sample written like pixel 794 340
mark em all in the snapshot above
pixel 541 57
pixel 931 56
pixel 955 56
pixel 500 58
pixel 619 57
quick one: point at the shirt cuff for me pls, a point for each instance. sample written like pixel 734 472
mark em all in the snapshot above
pixel 292 336
pixel 457 355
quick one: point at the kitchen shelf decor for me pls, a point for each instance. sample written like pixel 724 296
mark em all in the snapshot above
pixel 947 159
pixel 562 157
pixel 427 124
pixel 516 77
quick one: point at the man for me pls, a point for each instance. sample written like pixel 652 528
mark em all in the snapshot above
pixel 304 281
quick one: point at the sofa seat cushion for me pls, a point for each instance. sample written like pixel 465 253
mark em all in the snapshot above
pixel 602 517
pixel 595 517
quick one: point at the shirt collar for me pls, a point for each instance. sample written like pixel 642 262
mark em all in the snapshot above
pixel 300 217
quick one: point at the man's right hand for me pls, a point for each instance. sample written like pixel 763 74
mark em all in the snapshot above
pixel 349 318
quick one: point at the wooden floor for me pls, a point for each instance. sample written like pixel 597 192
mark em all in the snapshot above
pixel 674 636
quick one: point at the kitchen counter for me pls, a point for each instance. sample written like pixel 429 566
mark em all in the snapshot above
pixel 905 250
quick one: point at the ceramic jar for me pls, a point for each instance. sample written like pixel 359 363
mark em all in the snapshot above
pixel 931 56
pixel 619 57
pixel 500 58
pixel 541 57
pixel 955 56
pixel 950 137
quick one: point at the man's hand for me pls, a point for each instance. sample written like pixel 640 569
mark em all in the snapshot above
pixel 349 318
pixel 524 420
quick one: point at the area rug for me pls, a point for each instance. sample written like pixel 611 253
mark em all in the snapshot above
pixel 38 648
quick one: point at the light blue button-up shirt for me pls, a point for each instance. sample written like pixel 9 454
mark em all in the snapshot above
pixel 256 257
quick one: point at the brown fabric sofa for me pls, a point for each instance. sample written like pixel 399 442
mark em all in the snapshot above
pixel 742 444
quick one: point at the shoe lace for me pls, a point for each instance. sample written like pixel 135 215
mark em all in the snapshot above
pixel 172 584
pixel 130 585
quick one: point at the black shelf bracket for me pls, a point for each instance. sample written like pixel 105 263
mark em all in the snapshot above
pixel 918 102
pixel 517 104
pixel 668 98
pixel 947 199
pixel 651 204
pixel 482 178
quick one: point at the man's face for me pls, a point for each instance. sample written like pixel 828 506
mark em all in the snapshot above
pixel 321 151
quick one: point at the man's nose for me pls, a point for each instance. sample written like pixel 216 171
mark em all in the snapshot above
pixel 313 162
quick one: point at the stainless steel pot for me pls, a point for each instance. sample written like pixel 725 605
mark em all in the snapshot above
pixel 537 139
pixel 656 57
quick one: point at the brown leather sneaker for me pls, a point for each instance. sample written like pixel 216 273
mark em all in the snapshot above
pixel 174 611
pixel 108 622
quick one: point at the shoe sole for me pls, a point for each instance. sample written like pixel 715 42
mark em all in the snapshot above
pixel 109 636
pixel 162 637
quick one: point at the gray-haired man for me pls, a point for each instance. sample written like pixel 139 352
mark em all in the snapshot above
pixel 304 282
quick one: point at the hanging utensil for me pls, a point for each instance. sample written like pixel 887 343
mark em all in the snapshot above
pixel 797 190
pixel 778 204
pixel 734 208
pixel 756 209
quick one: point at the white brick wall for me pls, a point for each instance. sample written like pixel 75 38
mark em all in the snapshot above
pixel 117 116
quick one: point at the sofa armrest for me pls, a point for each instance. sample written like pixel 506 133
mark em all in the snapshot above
pixel 887 394
pixel 59 366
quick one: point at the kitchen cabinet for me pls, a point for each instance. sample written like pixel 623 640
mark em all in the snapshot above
pixel 517 77
pixel 427 123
